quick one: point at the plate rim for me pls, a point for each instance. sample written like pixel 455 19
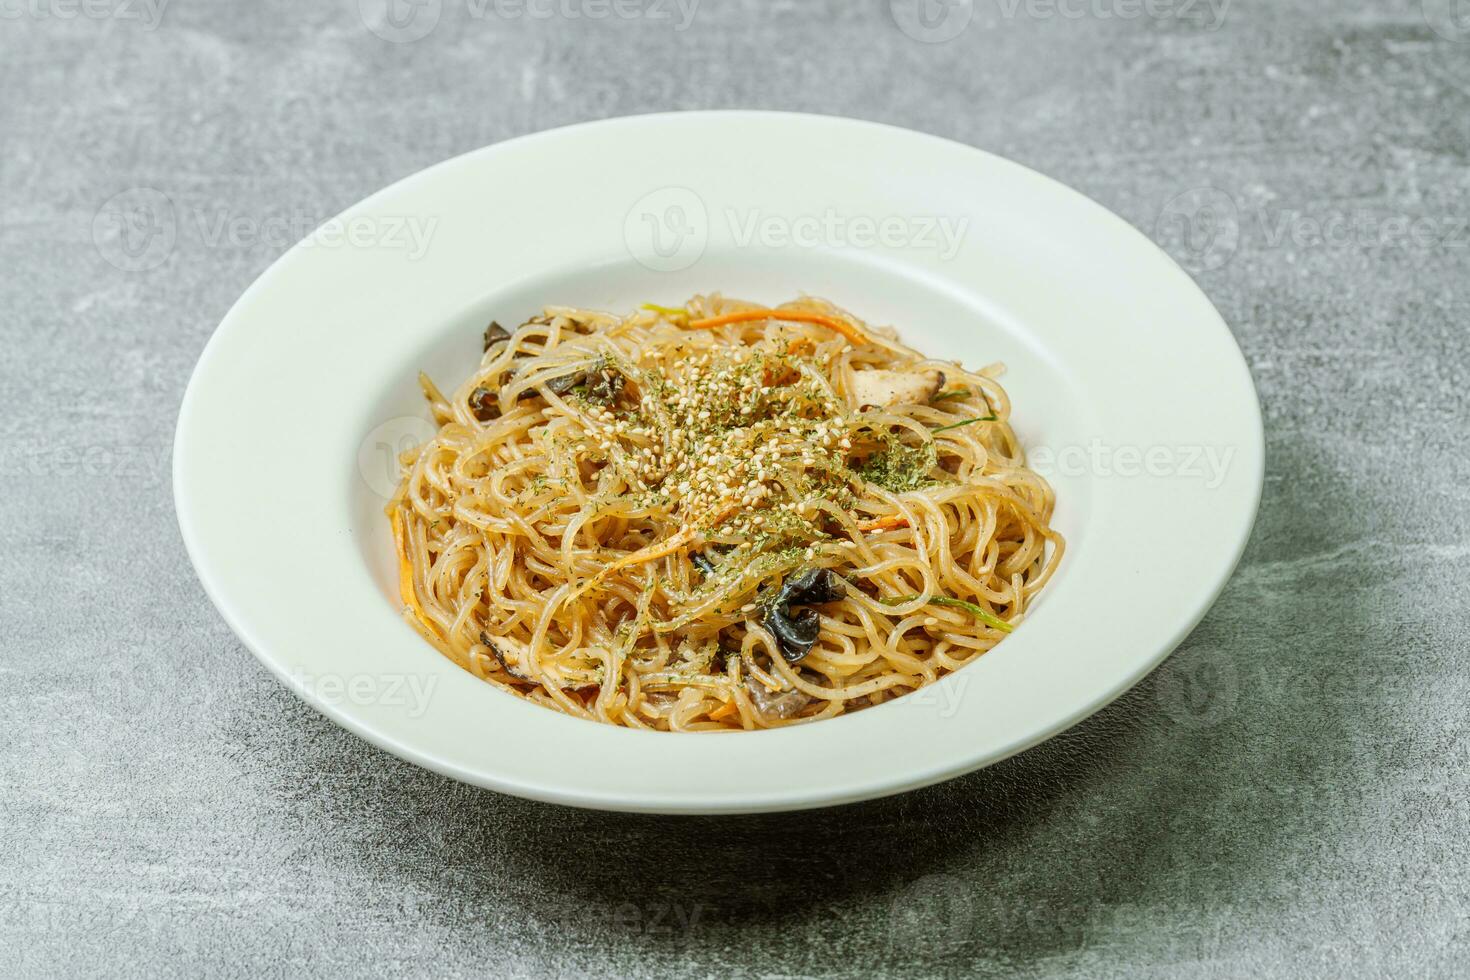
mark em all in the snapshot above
pixel 781 798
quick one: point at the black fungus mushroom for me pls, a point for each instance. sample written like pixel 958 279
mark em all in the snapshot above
pixel 604 386
pixel 494 334
pixel 557 386
pixel 796 634
pixel 565 383
pixel 701 561
pixel 485 404
pixel 727 648
pixel 599 384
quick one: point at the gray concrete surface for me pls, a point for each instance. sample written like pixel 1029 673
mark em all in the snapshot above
pixel 1286 797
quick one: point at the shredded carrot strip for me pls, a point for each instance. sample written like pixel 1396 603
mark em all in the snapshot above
pixel 727 710
pixel 653 552
pixel 405 574
pixel 847 330
pixel 884 523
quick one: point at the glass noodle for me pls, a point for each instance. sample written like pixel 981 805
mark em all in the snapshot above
pixel 718 516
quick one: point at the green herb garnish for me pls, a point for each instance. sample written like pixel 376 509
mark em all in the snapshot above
pixel 900 468
pixel 988 618
pixel 958 425
pixel 957 393
pixel 667 310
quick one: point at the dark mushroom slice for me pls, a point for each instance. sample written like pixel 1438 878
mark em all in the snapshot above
pixel 485 404
pixel 776 704
pixel 796 633
pixel 494 334
pixel 727 648
pixel 508 657
pixel 701 561
pixel 558 386
pixel 565 383
pixel 605 386
pixel 602 384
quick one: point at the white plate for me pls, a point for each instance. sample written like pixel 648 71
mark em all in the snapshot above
pixel 1125 382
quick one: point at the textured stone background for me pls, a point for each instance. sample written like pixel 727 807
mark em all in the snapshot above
pixel 1286 797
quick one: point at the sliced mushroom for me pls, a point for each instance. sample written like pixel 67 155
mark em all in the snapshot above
pixel 512 658
pixel 881 389
pixel 505 651
pixel 776 704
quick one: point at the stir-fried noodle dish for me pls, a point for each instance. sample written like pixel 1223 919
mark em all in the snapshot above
pixel 718 516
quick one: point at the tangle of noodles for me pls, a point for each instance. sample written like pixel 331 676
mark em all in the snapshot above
pixel 618 516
